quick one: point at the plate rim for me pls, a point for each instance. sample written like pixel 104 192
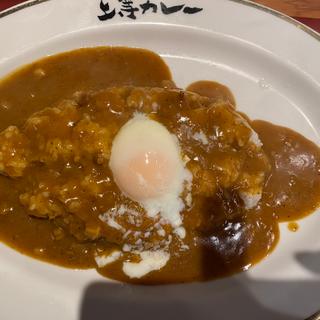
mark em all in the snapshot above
pixel 313 33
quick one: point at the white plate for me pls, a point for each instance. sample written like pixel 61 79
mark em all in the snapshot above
pixel 270 62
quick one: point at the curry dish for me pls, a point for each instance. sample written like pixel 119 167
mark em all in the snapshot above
pixel 205 204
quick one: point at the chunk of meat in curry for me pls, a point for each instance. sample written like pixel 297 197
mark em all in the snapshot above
pixel 61 154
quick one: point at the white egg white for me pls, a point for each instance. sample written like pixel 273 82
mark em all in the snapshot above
pixel 141 135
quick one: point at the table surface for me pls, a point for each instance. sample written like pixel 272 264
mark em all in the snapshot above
pixel 305 11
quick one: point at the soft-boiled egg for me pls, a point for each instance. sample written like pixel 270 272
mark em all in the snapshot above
pixel 147 167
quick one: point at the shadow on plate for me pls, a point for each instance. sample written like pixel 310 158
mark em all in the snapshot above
pixel 233 298
pixel 310 261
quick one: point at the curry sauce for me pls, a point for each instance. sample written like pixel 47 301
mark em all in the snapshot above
pixel 58 118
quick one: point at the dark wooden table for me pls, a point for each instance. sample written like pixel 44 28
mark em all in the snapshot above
pixel 305 11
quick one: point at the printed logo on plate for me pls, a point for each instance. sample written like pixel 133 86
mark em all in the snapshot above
pixel 133 9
